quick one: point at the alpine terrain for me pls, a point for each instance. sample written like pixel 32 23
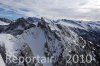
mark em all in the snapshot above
pixel 65 42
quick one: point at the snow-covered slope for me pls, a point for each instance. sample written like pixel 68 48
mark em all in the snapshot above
pixel 50 39
pixel 3 23
pixel 1 61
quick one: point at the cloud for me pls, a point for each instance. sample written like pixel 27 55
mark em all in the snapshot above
pixel 75 9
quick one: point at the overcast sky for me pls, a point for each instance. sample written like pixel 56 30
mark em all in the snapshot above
pixel 71 9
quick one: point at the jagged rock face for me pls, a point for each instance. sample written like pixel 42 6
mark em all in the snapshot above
pixel 6 20
pixel 52 39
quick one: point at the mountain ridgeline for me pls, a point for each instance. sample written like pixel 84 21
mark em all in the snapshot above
pixel 68 42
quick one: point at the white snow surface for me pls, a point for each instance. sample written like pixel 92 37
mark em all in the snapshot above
pixel 34 37
pixel 82 25
pixel 10 42
pixel 3 23
pixel 1 61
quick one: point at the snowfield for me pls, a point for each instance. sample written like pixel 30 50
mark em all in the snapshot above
pixel 3 23
pixel 1 61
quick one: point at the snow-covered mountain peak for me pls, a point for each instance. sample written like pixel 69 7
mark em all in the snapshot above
pixel 50 38
pixel 4 21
